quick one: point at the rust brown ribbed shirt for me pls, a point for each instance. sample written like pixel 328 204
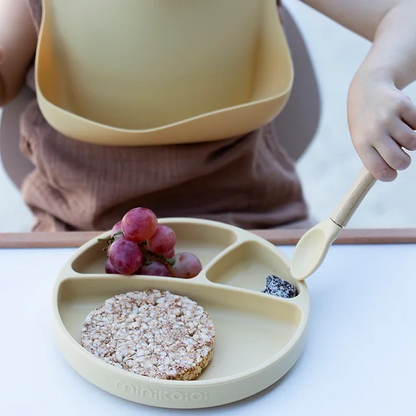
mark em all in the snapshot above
pixel 247 181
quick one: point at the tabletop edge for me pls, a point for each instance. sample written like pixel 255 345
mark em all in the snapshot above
pixel 277 236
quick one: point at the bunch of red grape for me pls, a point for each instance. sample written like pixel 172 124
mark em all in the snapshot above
pixel 139 245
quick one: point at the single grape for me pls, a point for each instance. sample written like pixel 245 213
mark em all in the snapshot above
pixel 125 256
pixel 163 240
pixel 169 254
pixel 116 228
pixel 116 231
pixel 154 268
pixel 109 269
pixel 186 265
pixel 139 224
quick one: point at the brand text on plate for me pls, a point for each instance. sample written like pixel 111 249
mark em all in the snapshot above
pixel 175 396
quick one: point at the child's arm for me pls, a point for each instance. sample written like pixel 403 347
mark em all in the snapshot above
pixel 17 46
pixel 381 117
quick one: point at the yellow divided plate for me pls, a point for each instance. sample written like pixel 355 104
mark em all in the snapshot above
pixel 258 337
pixel 151 72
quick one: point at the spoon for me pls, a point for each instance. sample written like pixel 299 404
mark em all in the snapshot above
pixel 312 248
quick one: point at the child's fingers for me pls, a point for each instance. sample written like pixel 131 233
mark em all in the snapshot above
pixel 392 153
pixel 403 135
pixel 377 166
pixel 408 113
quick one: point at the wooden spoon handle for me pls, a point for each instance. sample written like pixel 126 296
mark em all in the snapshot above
pixel 364 182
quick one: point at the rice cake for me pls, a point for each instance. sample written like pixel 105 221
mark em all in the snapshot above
pixel 151 333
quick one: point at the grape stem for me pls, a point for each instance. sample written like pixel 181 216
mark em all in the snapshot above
pixel 148 253
pixel 145 255
pixel 171 262
pixel 110 240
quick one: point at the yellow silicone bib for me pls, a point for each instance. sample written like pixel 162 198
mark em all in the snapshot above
pixel 148 72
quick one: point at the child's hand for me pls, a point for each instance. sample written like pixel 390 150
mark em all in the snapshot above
pixel 381 120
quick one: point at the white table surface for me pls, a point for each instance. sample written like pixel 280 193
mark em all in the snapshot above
pixel 360 355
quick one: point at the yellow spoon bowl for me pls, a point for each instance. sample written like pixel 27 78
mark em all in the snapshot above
pixel 313 247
